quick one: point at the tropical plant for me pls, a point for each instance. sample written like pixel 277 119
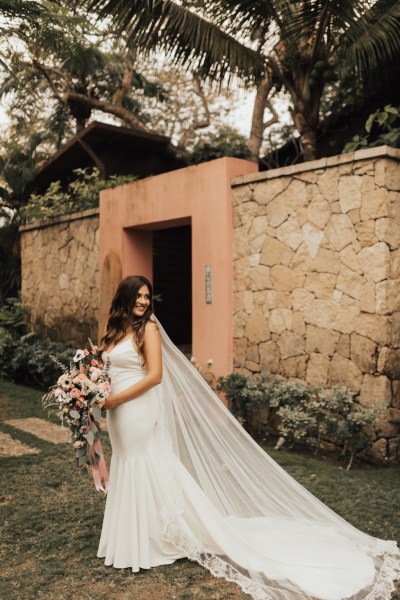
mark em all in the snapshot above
pixel 30 362
pixel 18 163
pixel 19 158
pixel 382 127
pixel 10 265
pixel 300 46
pixel 62 73
pixel 12 315
pixel 74 68
pixel 80 194
pixel 225 142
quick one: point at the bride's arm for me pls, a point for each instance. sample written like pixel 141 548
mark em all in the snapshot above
pixel 152 347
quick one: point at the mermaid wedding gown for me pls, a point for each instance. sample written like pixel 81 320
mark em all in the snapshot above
pixel 186 480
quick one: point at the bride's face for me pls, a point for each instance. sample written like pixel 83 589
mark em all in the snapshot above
pixel 142 301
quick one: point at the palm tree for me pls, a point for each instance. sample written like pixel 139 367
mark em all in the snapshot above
pixel 299 45
pixel 23 9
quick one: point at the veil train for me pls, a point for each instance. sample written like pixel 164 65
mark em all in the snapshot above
pixel 268 534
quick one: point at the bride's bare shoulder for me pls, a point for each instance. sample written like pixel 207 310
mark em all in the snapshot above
pixel 150 327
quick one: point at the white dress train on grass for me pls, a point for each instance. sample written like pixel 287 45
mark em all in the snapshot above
pixel 186 480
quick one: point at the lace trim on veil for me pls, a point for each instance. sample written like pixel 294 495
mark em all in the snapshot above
pixel 382 589
pixel 386 554
pixel 387 551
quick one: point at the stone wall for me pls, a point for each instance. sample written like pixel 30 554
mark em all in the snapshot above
pixel 317 278
pixel 60 276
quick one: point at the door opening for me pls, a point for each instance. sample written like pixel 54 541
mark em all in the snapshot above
pixel 172 280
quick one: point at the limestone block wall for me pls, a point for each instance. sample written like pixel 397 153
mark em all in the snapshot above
pixel 317 278
pixel 60 276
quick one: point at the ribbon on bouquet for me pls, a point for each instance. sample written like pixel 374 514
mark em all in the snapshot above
pixel 98 468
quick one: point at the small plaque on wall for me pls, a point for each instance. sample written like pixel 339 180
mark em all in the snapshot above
pixel 208 285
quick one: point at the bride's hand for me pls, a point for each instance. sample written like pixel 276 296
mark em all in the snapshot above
pixel 109 403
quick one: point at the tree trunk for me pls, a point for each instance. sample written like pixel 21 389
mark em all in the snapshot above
pixel 126 81
pixel 309 143
pixel 305 119
pixel 80 124
pixel 199 123
pixel 257 123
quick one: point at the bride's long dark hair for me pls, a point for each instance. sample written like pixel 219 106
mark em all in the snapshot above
pixel 121 316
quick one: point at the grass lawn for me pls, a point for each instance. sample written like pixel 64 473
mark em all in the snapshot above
pixel 51 519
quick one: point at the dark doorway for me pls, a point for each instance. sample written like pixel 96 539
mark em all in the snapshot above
pixel 172 278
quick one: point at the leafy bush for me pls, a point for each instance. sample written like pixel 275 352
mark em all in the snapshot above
pixel 25 360
pixel 80 194
pixel 10 261
pixel 7 348
pixel 382 127
pixel 301 413
pixel 225 142
pixel 12 315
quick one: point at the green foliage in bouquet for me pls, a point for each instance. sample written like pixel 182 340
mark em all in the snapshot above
pixel 80 194
pixel 300 413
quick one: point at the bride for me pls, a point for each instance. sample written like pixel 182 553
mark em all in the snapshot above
pixel 186 480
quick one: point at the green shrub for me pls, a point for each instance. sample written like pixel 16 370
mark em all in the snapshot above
pixel 300 413
pixel 7 349
pixel 25 360
pixel 225 142
pixel 80 194
pixel 382 129
pixel 12 316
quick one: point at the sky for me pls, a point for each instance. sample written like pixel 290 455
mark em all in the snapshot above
pixel 4 121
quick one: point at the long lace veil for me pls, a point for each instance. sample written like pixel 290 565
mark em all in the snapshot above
pixel 245 484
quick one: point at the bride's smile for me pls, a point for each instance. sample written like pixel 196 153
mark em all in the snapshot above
pixel 142 301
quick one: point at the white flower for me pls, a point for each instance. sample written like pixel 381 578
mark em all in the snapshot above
pixel 95 374
pixel 78 444
pixel 78 356
pixel 64 381
pixel 88 386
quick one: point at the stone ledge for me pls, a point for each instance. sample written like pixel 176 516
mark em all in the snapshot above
pixel 322 163
pixel 84 214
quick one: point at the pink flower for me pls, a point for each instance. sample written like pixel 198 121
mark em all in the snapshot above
pixel 105 387
pixel 94 362
pixel 86 352
pixel 75 393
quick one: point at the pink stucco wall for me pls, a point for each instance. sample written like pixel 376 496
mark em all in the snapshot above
pixel 200 195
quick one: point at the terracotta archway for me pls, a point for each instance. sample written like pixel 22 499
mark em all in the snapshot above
pixel 200 195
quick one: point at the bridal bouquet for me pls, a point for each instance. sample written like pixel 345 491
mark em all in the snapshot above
pixel 75 398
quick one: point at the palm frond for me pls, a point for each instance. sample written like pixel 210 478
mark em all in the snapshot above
pixel 190 39
pixel 24 9
pixel 374 41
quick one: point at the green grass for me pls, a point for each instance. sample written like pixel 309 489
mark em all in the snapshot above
pixel 51 520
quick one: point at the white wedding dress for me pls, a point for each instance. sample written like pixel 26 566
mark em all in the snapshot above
pixel 186 480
